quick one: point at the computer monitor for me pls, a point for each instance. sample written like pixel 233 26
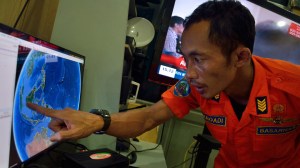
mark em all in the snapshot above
pixel 278 36
pixel 33 70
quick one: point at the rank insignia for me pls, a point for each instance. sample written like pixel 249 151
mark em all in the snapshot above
pixel 182 88
pixel 261 105
pixel 216 98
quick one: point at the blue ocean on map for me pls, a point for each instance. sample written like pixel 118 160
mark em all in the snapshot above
pixel 51 82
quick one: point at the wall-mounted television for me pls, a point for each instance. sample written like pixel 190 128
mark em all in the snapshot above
pixel 278 36
pixel 33 70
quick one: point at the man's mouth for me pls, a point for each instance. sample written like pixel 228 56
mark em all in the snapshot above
pixel 199 88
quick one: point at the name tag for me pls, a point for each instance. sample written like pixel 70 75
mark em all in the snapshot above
pixel 216 120
pixel 275 130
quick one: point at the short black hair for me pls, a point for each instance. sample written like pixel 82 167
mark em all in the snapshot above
pixel 177 20
pixel 231 24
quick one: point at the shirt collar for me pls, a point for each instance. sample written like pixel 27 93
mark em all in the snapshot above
pixel 259 100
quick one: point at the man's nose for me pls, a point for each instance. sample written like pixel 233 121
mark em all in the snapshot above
pixel 190 72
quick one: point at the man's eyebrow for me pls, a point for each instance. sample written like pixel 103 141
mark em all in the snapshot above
pixel 192 53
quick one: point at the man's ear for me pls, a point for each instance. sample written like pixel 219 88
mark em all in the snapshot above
pixel 243 56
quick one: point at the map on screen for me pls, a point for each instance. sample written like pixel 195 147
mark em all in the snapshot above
pixel 49 81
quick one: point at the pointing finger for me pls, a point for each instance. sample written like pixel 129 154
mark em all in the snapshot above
pixel 64 135
pixel 56 137
pixel 56 124
pixel 45 111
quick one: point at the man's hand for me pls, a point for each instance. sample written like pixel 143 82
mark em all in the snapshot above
pixel 69 123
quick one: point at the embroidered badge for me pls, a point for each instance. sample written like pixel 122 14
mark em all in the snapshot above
pixel 216 98
pixel 216 120
pixel 261 105
pixel 268 130
pixel 182 88
pixel 278 108
pixel 278 120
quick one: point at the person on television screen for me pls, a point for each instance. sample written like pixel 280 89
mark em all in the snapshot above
pixel 173 38
pixel 250 103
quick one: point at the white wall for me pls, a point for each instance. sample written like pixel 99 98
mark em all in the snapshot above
pixel 97 30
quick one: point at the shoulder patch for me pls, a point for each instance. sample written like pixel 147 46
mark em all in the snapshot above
pixel 182 88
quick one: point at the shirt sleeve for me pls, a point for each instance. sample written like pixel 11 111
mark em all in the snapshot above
pixel 179 99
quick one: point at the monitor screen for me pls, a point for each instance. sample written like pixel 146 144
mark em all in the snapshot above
pixel 278 36
pixel 33 70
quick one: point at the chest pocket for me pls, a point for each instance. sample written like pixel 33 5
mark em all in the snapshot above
pixel 275 140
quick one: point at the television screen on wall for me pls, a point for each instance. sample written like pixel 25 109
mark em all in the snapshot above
pixel 278 36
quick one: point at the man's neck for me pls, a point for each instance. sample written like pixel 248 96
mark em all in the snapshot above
pixel 241 87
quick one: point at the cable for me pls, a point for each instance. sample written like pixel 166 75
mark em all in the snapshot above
pixel 132 155
pixel 160 141
pixel 123 140
pixel 148 149
pixel 195 149
pixel 181 163
pixel 187 151
pixel 78 146
pixel 21 13
pixel 135 149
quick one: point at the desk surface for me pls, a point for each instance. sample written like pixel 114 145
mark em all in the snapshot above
pixel 149 158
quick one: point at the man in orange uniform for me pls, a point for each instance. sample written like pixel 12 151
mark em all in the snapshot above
pixel 266 134
pixel 251 104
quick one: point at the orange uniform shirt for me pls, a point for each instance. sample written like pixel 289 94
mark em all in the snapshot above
pixel 268 134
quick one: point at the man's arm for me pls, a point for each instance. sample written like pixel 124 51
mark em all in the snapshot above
pixel 135 122
pixel 72 124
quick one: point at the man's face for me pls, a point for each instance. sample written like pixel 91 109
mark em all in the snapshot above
pixel 207 68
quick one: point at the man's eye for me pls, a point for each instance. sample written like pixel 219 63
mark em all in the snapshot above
pixel 197 60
